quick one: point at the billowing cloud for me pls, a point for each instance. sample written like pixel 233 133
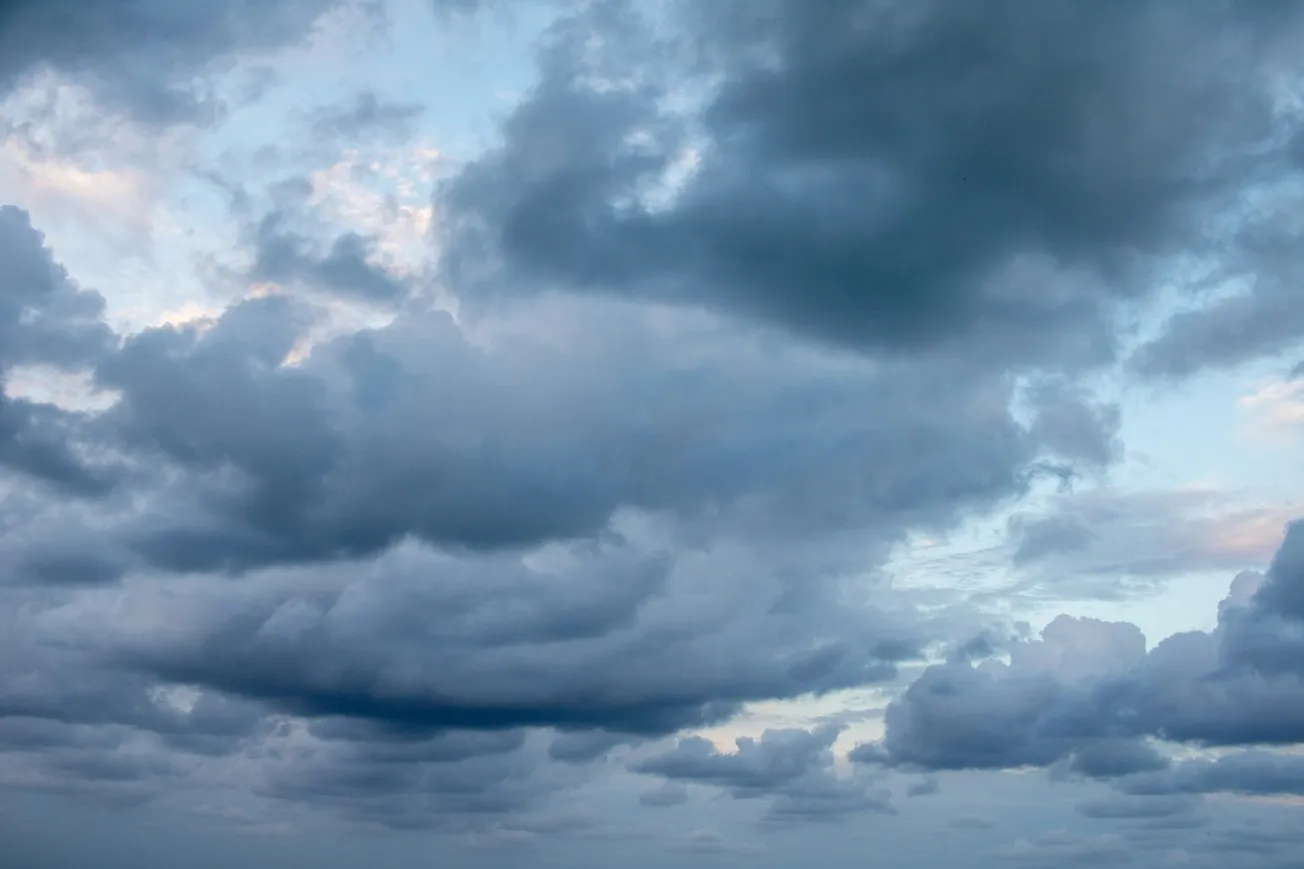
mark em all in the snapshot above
pixel 845 187
pixel 44 319
pixel 791 768
pixel 143 56
pixel 474 516
pixel 1097 703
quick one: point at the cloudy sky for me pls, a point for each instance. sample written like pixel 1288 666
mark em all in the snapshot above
pixel 498 433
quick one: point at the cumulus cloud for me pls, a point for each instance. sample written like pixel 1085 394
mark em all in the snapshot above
pixel 143 56
pixel 732 305
pixel 1099 703
pixel 1000 221
pixel 791 768
pixel 45 318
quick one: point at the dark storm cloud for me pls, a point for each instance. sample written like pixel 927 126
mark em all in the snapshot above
pixel 1240 685
pixel 848 188
pixel 143 56
pixel 45 319
pixel 366 114
pixel 792 768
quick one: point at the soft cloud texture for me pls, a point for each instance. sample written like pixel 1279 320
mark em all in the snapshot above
pixel 542 475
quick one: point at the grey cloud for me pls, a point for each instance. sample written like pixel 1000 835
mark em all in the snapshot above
pixel 927 786
pixel 1248 772
pixel 73 569
pixel 1074 426
pixel 1239 685
pixel 618 529
pixel 1265 317
pixel 45 319
pixel 669 794
pixel 792 768
pixel 1112 758
pixel 1063 848
pixel 1226 333
pixel 142 55
pixel 44 316
pixel 585 746
pixel 1132 808
pixel 1102 542
pixel 708 841
pixel 345 266
pixel 1050 535
pixel 999 223
pixel 611 642
pixel 366 114
pixel 414 430
pixel 453 781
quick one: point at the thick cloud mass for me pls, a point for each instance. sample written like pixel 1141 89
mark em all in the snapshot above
pixel 608 642
pixel 792 768
pixel 890 176
pixel 44 319
pixel 413 430
pixel 745 301
pixel 142 55
pixel 1092 703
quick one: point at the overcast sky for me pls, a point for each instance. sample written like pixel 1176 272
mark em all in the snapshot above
pixel 575 433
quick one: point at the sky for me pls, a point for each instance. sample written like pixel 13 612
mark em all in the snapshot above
pixel 766 433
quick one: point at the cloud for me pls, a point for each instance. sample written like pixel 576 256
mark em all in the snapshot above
pixel 927 786
pixel 791 768
pixel 1098 702
pixel 597 519
pixel 1063 848
pixel 1253 772
pixel 1118 807
pixel 44 319
pixel 1264 320
pixel 416 430
pixel 1276 410
pixel 345 266
pixel 365 114
pixel 452 781
pixel 143 56
pixel 585 746
pixel 708 841
pixel 1103 541
pixel 999 224
pixel 612 639
pixel 722 339
pixel 668 794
